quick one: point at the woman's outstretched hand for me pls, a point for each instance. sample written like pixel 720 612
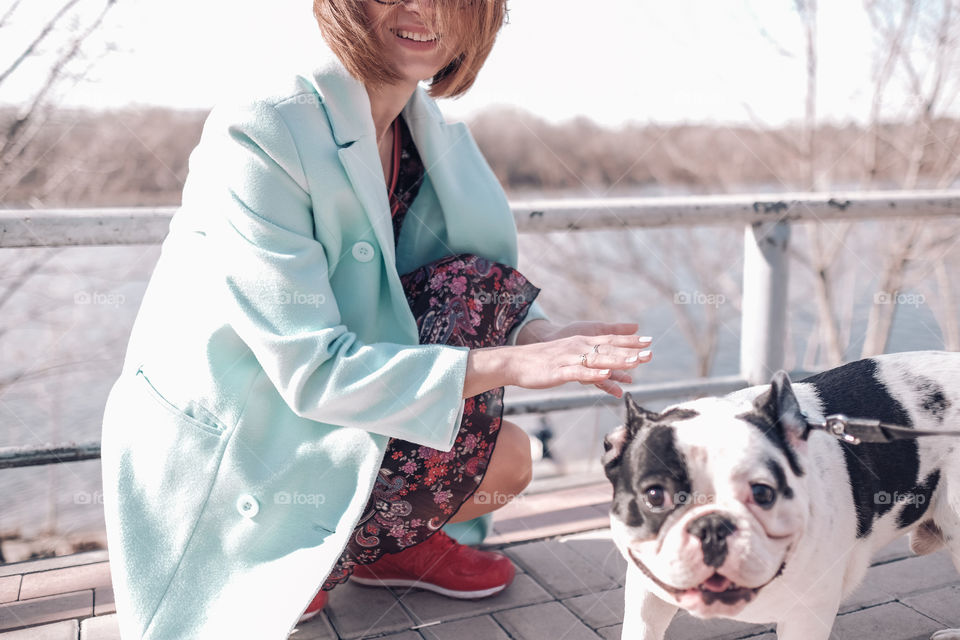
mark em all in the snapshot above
pixel 598 353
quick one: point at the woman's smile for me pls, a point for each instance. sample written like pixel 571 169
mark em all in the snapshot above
pixel 416 40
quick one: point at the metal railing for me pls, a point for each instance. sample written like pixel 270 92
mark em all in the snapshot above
pixel 766 219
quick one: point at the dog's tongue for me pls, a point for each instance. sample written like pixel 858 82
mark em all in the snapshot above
pixel 716 582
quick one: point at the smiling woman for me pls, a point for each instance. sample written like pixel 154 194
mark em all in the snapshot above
pixel 358 410
pixel 460 35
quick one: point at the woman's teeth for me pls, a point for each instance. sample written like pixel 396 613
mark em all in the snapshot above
pixel 418 37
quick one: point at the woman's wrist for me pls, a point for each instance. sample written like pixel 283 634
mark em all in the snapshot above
pixel 534 331
pixel 486 369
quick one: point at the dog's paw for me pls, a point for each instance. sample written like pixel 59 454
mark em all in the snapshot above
pixel 946 634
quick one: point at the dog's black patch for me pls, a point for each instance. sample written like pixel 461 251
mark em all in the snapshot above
pixel 932 398
pixel 651 457
pixel 766 415
pixel 918 500
pixel 782 487
pixel 876 470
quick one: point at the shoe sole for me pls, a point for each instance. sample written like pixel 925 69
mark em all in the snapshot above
pixel 450 593
pixel 308 616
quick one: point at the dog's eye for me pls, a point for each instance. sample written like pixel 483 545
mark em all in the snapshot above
pixel 656 498
pixel 763 494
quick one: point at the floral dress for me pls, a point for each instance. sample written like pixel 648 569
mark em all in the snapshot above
pixel 460 300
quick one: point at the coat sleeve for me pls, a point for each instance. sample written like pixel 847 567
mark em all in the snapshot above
pixel 246 176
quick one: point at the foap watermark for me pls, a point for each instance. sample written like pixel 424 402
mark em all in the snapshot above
pixel 88 497
pixel 694 498
pixel 699 297
pixel 500 297
pixel 296 297
pixel 98 297
pixel 295 497
pixel 910 299
pixel 494 497
pixel 885 497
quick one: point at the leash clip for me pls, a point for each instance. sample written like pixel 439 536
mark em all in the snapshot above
pixel 836 424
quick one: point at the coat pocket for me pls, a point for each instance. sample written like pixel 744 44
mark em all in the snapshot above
pixel 159 463
pixel 190 413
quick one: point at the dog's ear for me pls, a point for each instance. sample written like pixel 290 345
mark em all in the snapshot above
pixel 616 441
pixel 781 406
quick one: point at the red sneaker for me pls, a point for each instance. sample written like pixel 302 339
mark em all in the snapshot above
pixel 442 565
pixel 315 606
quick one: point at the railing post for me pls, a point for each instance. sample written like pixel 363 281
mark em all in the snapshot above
pixel 763 328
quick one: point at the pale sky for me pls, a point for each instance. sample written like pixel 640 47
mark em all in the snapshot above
pixel 613 61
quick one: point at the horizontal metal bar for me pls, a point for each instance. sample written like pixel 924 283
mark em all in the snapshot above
pixel 69 452
pixel 83 227
pixel 149 225
pixel 687 211
pixel 49 454
pixel 547 402
pixel 540 403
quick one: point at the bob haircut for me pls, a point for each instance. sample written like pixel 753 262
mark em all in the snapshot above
pixel 345 28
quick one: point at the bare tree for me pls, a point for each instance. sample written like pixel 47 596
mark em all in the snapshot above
pixel 62 38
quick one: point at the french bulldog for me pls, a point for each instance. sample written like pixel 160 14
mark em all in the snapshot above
pixel 735 507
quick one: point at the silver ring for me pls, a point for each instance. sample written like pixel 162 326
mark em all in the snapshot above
pixel 596 348
pixel 583 359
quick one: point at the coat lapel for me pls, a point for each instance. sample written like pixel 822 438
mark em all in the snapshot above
pixel 475 209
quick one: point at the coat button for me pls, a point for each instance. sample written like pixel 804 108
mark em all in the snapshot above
pixel 363 251
pixel 248 506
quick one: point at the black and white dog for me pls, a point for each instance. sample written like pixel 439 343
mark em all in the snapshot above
pixel 733 507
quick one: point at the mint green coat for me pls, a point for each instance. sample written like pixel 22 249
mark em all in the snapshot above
pixel 275 354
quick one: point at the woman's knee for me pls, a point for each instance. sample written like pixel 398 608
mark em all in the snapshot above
pixel 516 443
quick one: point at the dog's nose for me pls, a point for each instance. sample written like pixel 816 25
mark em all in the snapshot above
pixel 712 530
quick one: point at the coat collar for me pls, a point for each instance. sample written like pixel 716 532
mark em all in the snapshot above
pixel 348 105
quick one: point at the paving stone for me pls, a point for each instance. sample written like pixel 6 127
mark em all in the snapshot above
pixel 896 550
pixel 868 594
pixel 47 583
pixel 916 574
pixel 892 621
pixel 611 633
pixel 100 628
pixel 103 601
pixel 45 564
pixel 551 523
pixel 9 588
pixel 688 627
pixel 478 628
pixel 22 613
pixel 599 609
pixel 357 611
pixel 316 628
pixel 601 552
pixel 544 622
pixel 942 605
pixel 561 569
pixel 406 635
pixel 64 630
pixel 426 606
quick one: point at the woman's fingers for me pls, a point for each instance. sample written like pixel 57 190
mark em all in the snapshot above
pixel 610 387
pixel 606 328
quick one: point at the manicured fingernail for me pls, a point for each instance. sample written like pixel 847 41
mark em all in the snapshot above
pixel 646 339
pixel 632 359
pixel 604 371
pixel 644 354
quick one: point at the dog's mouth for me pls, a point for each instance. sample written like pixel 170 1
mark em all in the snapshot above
pixel 716 588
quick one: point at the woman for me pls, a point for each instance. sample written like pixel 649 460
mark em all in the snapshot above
pixel 278 353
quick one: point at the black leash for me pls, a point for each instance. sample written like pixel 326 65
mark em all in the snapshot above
pixel 857 430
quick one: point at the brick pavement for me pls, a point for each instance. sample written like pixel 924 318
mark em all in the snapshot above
pixel 567 588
